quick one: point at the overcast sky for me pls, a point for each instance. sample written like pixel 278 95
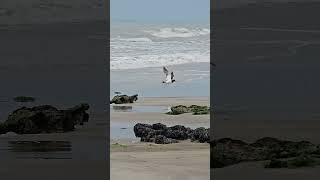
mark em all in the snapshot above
pixel 161 10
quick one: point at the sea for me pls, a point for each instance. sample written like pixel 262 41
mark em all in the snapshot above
pixel 140 50
pixel 137 45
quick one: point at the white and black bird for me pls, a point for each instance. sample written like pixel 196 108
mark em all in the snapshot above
pixel 169 76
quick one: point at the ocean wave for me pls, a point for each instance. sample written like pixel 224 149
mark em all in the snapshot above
pixel 143 61
pixel 179 32
pixel 141 39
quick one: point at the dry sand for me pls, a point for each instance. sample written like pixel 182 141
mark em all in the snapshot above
pixel 131 159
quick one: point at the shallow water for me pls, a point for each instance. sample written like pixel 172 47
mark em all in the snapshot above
pixel 36 149
pixel 192 80
pixel 75 149
pixel 121 108
pixel 120 130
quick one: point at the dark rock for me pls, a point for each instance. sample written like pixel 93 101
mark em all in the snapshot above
pixel 178 132
pixel 201 134
pixel 162 134
pixel 142 130
pixel 180 109
pixel 228 151
pixel 302 161
pixel 194 109
pixel 24 99
pixel 199 110
pixel 79 114
pixel 159 126
pixel 296 162
pixel 160 139
pixel 3 128
pixel 124 99
pixel 45 119
pixel 276 163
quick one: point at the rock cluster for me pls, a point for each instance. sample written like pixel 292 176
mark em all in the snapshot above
pixel 296 162
pixel 24 99
pixel 124 99
pixel 228 151
pixel 44 119
pixel 194 109
pixel 161 134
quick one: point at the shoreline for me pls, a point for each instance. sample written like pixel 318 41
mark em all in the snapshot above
pixel 169 101
pixel 191 80
pixel 160 66
pixel 142 160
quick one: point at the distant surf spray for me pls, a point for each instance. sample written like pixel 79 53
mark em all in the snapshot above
pixel 179 32
pixel 134 46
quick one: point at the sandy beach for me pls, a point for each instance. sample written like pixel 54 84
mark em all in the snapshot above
pixel 138 160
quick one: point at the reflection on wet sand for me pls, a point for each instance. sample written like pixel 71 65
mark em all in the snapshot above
pixel 122 108
pixel 40 149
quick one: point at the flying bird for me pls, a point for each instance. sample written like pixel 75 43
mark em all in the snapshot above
pixel 169 76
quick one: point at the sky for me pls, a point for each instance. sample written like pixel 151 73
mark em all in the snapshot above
pixel 161 10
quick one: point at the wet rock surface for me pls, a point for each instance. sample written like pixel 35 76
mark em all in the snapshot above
pixel 194 109
pixel 24 99
pixel 161 134
pixel 124 99
pixel 44 119
pixel 278 153
pixel 296 162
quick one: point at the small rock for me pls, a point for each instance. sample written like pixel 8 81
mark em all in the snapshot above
pixel 124 99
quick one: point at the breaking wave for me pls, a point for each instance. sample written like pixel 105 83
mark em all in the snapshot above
pixel 179 32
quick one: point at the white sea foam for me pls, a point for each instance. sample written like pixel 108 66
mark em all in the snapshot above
pixel 179 32
pixel 157 46
pixel 157 60
pixel 142 39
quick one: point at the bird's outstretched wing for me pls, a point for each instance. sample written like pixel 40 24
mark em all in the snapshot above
pixel 165 70
pixel 168 78
pixel 172 76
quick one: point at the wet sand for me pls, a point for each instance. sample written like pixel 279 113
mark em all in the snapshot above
pixel 192 80
pixel 175 165
pixel 54 169
pixel 138 160
pixel 254 171
pixel 75 155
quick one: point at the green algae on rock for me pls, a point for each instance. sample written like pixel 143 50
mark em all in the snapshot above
pixel 194 109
